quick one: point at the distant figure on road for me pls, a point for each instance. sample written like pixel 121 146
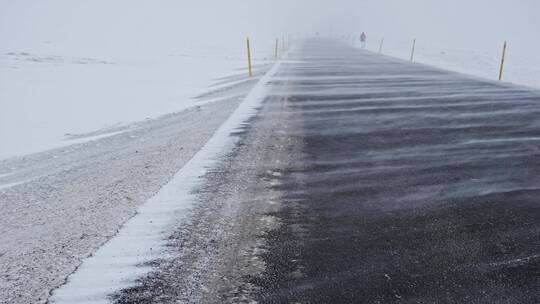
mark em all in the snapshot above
pixel 363 39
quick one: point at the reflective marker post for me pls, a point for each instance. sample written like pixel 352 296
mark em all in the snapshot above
pixel 501 70
pixel 277 48
pixel 249 58
pixel 412 52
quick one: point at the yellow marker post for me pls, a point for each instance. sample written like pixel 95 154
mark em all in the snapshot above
pixel 501 70
pixel 380 47
pixel 412 52
pixel 277 48
pixel 249 58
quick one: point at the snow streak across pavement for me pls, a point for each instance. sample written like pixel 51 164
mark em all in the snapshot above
pixel 364 179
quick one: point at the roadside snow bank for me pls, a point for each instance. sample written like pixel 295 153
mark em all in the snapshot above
pixel 118 263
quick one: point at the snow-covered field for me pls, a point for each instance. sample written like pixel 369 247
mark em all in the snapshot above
pixel 73 67
pixel 48 99
pixel 521 67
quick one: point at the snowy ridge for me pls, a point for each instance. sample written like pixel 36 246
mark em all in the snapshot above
pixel 117 263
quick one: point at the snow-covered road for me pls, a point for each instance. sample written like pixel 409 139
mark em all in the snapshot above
pixel 58 207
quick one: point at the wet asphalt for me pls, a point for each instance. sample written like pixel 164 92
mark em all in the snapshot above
pixel 401 183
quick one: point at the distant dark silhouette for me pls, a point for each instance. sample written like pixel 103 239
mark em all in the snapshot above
pixel 363 39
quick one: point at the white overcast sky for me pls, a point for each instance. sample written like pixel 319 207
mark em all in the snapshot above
pixel 101 26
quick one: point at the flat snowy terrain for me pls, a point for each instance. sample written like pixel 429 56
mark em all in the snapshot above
pixel 78 67
pixel 48 99
pixel 520 68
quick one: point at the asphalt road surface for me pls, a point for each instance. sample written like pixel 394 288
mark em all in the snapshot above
pixel 366 179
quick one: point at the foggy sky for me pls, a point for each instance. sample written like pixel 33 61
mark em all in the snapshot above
pixel 103 25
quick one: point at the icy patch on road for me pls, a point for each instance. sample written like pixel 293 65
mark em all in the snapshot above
pixel 116 264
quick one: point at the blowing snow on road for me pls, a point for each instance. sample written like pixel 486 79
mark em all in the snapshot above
pixel 158 158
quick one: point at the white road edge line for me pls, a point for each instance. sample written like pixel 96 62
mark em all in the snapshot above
pixel 141 239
